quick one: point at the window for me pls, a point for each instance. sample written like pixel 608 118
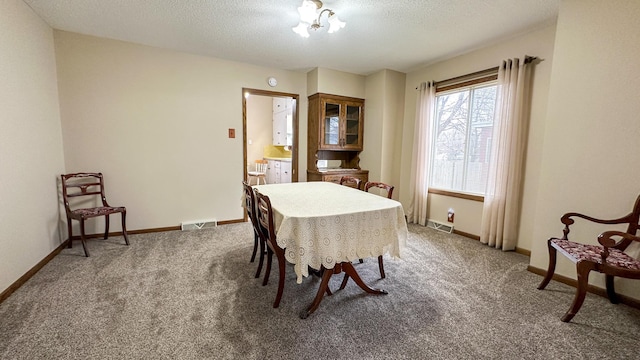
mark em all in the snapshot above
pixel 462 138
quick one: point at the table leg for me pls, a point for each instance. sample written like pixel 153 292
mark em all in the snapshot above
pixel 350 271
pixel 324 287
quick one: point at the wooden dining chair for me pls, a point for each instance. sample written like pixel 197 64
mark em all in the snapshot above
pixel 608 258
pixel 89 186
pixel 250 208
pixel 389 190
pixel 258 172
pixel 268 231
pixel 351 181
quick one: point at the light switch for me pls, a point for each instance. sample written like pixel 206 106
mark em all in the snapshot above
pixel 232 133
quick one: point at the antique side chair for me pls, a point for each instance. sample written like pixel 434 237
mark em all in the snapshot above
pixel 608 258
pixel 268 232
pixel 250 208
pixel 354 182
pixel 389 190
pixel 90 185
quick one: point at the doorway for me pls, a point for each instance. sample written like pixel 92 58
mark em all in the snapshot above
pixel 254 146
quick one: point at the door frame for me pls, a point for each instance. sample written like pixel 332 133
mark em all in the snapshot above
pixel 295 117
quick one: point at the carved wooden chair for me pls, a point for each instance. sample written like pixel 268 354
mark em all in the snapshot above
pixel 268 232
pixel 389 190
pixel 354 182
pixel 90 185
pixel 250 208
pixel 608 258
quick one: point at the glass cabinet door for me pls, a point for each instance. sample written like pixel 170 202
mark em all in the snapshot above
pixel 352 125
pixel 331 124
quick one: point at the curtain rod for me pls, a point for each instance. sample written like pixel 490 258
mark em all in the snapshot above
pixel 527 60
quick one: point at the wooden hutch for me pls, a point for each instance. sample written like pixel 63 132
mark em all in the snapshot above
pixel 336 125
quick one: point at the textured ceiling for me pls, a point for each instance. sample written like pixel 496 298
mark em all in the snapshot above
pixel 401 35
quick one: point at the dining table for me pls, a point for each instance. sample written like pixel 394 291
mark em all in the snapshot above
pixel 324 227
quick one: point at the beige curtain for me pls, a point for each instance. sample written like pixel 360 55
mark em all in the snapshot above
pixel 500 213
pixel 421 162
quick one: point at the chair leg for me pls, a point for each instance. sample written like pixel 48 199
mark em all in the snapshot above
pixel 82 238
pixel 381 266
pixel 267 271
pixel 106 227
pixel 69 232
pixel 124 227
pixel 255 246
pixel 260 262
pixel 281 269
pixel 552 266
pixel 583 269
pixel 611 291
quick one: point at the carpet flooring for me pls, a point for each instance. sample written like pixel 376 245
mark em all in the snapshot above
pixel 193 295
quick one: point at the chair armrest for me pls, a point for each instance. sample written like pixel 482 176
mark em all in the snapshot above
pixel 567 220
pixel 606 238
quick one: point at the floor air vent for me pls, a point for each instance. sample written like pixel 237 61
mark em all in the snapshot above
pixel 198 224
pixel 440 226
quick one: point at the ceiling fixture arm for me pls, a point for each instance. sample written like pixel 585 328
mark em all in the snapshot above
pixel 316 23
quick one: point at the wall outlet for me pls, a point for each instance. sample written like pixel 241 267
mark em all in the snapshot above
pixel 450 215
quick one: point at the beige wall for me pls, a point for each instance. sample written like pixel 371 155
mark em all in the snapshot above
pixel 469 213
pixel 259 126
pixel 590 157
pixel 155 122
pixel 339 83
pixel 30 141
pixel 383 124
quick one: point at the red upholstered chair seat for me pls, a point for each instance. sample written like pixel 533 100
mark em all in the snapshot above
pixel 578 252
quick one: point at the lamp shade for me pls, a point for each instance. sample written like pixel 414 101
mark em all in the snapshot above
pixel 334 23
pixel 307 12
pixel 301 29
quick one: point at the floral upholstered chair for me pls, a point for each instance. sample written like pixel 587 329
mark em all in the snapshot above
pixel 89 185
pixel 608 257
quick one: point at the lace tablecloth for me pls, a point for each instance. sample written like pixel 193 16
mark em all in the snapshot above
pixel 322 223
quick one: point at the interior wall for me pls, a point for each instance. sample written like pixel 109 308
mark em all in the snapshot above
pixel 156 122
pixel 340 83
pixel 370 157
pixel 30 142
pixel 392 134
pixel 259 126
pixel 383 122
pixel 540 43
pixel 591 139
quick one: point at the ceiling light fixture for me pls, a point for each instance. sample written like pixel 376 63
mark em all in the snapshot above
pixel 310 14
